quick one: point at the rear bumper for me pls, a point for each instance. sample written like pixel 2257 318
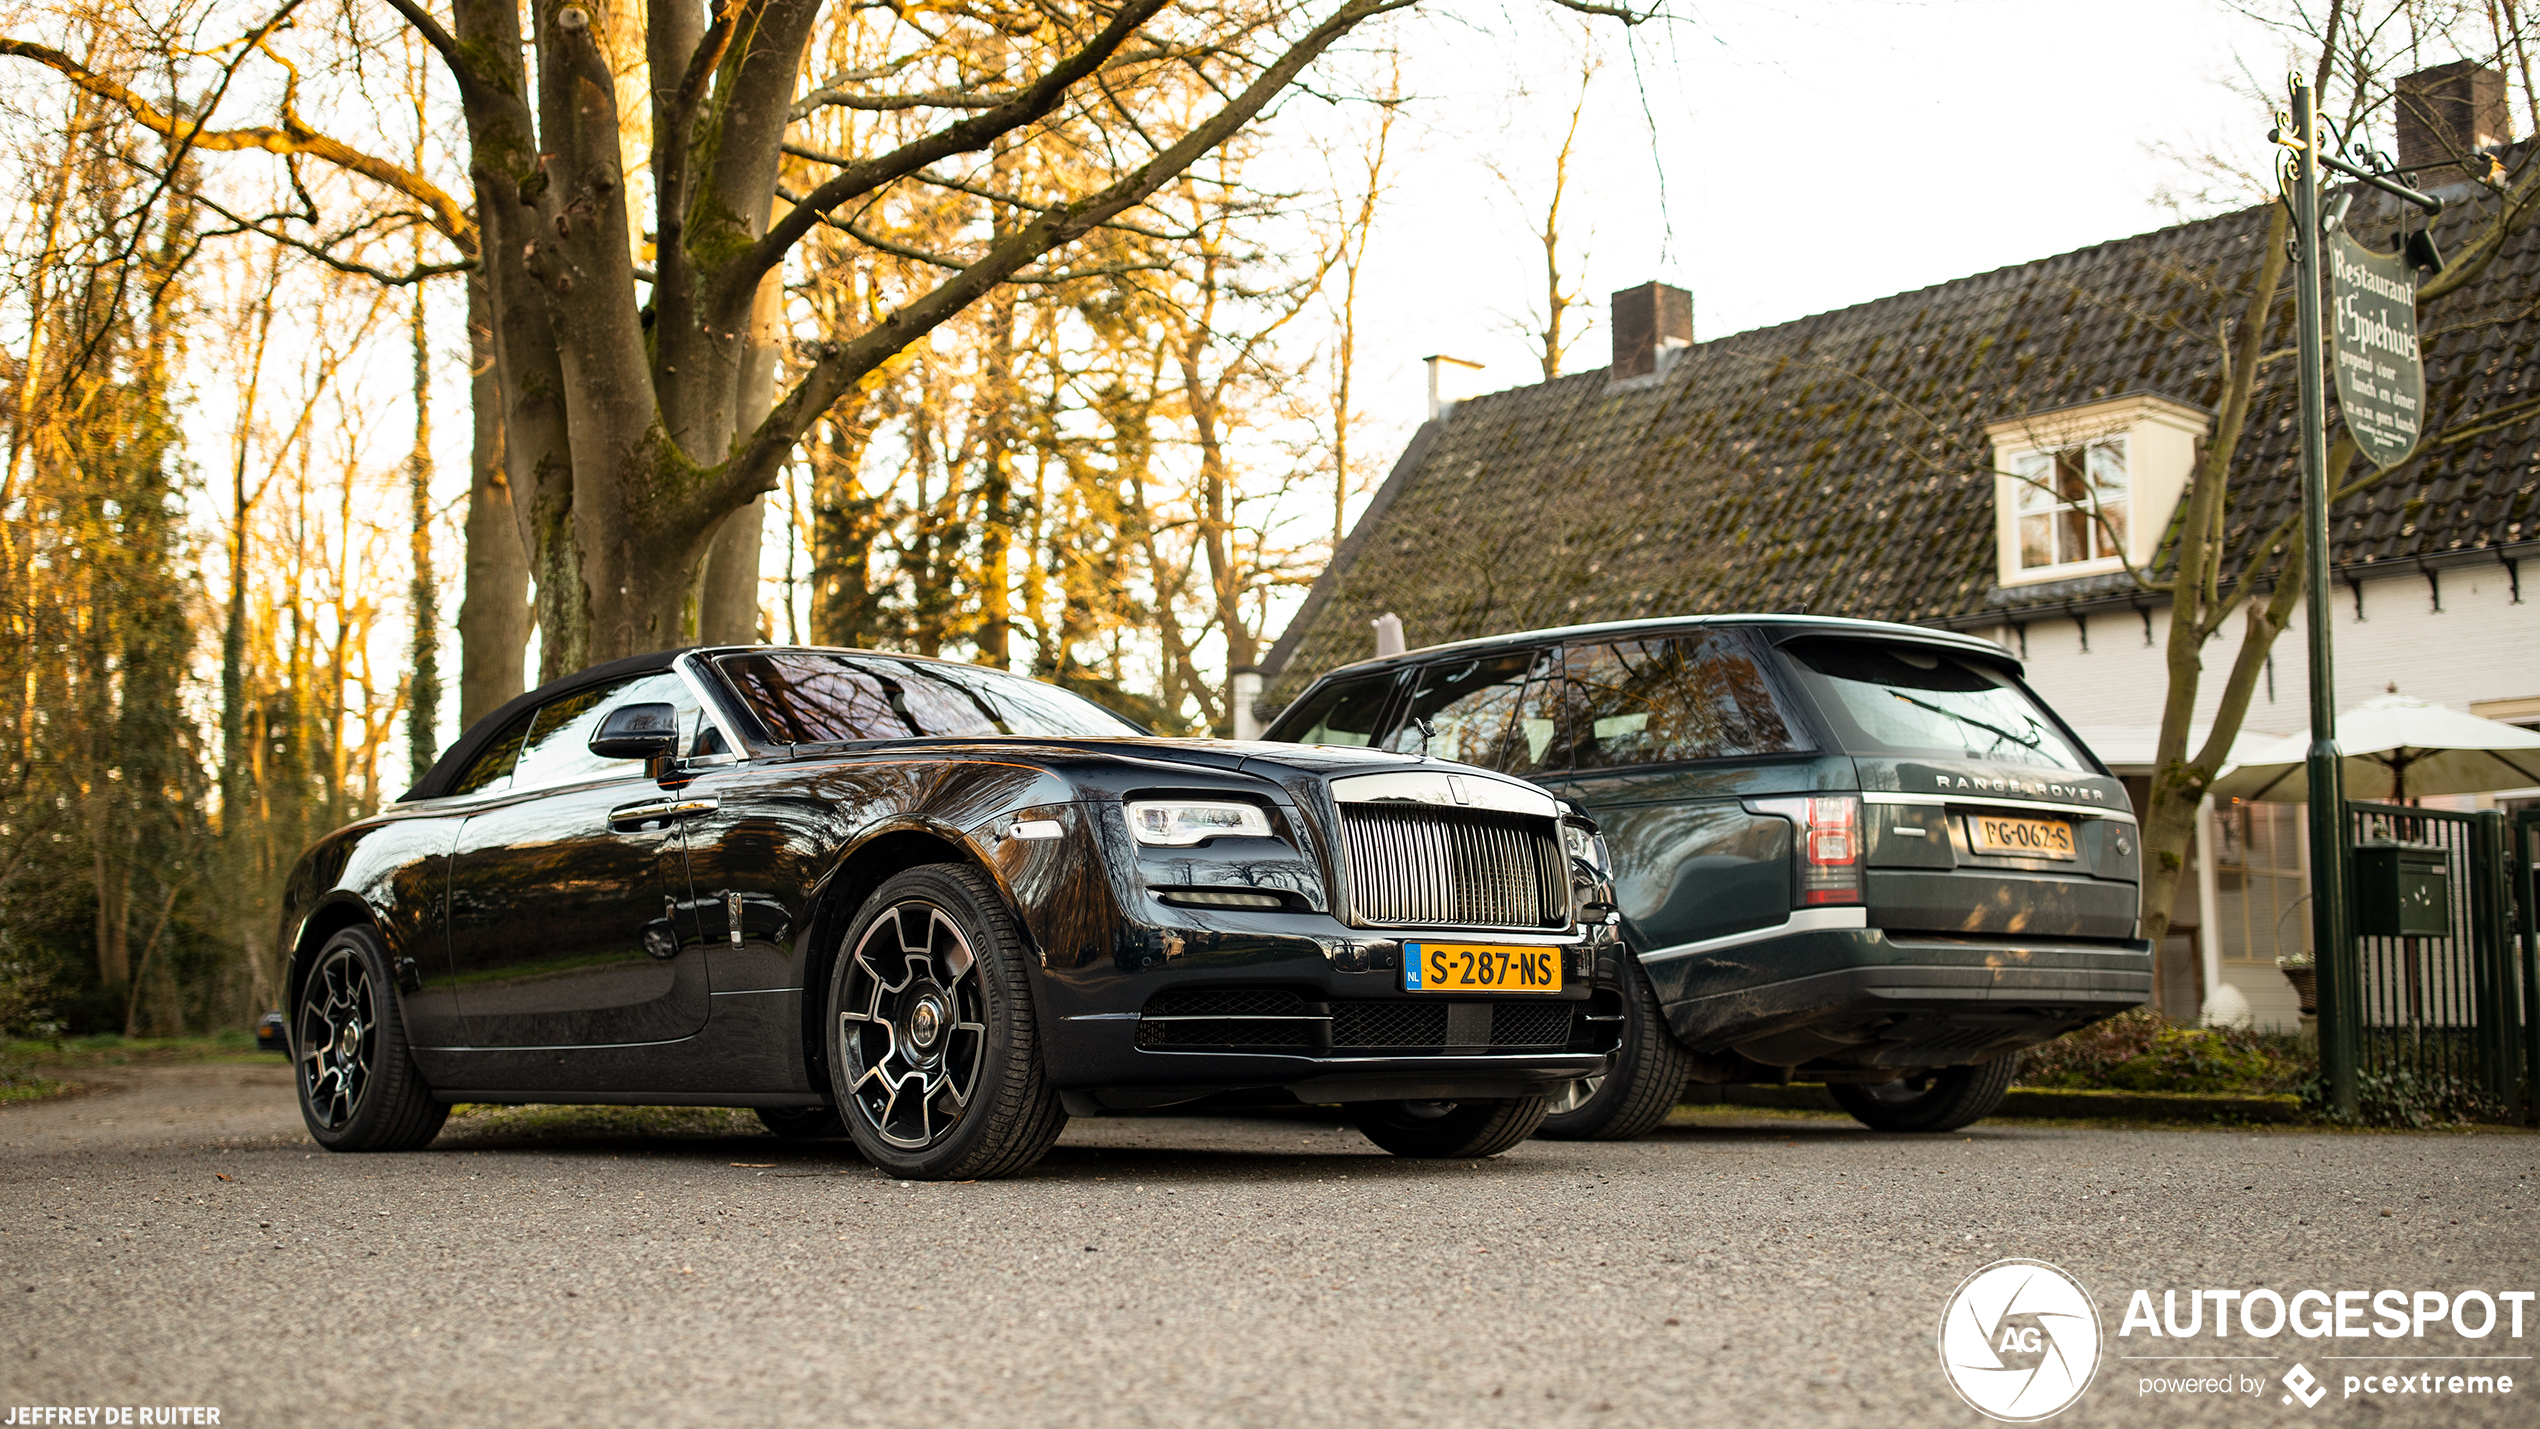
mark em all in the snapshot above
pixel 1862 999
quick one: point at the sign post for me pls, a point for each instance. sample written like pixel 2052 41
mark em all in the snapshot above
pixel 2381 394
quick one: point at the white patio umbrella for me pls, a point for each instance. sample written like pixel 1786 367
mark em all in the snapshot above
pixel 2396 746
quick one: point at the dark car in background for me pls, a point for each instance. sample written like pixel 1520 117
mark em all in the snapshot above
pixel 1843 851
pixel 938 908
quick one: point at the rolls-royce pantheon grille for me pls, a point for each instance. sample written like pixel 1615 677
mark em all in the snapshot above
pixel 1419 865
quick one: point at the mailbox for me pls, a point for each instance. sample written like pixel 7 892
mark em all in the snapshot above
pixel 2402 891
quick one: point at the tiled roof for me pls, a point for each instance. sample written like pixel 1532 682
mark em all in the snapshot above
pixel 1839 463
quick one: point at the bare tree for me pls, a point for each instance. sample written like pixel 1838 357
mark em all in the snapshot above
pixel 626 439
pixel 1547 327
pixel 2228 569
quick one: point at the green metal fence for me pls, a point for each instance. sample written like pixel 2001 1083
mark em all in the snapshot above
pixel 2523 868
pixel 2442 960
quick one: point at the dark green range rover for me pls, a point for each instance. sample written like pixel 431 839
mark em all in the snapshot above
pixel 1844 851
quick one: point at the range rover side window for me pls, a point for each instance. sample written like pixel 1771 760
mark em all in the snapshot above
pixel 1700 696
pixel 1347 712
pixel 1473 705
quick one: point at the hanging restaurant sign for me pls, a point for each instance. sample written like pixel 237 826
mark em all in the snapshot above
pixel 2372 304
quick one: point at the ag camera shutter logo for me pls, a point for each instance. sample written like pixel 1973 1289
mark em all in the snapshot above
pixel 2019 1341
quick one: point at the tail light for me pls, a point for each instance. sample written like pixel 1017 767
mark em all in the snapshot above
pixel 1827 851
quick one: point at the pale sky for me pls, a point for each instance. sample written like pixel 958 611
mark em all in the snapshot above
pixel 1813 156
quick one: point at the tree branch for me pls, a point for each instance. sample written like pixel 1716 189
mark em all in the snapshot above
pixel 975 190
pixel 739 281
pixel 321 251
pixel 293 136
pixel 752 467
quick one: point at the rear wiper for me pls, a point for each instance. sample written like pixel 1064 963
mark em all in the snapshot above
pixel 2030 743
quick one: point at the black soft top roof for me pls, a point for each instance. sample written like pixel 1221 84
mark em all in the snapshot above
pixel 463 750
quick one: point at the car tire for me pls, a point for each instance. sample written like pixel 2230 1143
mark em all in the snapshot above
pixel 1640 1086
pixel 934 1056
pixel 802 1123
pixel 1944 1100
pixel 359 1087
pixel 1449 1130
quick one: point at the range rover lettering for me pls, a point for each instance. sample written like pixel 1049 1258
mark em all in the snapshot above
pixel 1844 851
pixel 940 909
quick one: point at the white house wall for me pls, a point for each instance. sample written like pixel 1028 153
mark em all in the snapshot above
pixel 2481 645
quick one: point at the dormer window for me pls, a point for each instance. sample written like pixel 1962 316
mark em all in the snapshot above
pixel 2083 491
pixel 2071 504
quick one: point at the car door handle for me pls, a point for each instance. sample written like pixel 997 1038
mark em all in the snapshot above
pixel 628 816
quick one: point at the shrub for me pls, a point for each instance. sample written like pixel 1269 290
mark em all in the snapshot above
pixel 2141 1051
pixel 2401 1098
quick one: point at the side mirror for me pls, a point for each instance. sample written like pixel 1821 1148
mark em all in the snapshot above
pixel 638 732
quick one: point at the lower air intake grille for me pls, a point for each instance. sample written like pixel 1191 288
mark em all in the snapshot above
pixel 1542 1024
pixel 1423 866
pixel 1266 1019
pixel 1427 1026
pixel 1388 1024
pixel 1262 1019
pixel 1227 1002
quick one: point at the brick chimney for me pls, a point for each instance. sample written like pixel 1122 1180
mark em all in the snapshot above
pixel 1648 320
pixel 2446 112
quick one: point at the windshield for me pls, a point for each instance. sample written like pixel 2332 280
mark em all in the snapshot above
pixel 817 697
pixel 1901 699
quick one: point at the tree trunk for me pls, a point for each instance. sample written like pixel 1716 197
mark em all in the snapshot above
pixel 423 705
pixel 494 613
pixel 728 601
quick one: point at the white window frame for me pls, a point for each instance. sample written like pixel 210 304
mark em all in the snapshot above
pixel 2161 439
pixel 2034 494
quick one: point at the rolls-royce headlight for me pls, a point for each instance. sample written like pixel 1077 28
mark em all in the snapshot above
pixel 1180 823
pixel 1585 844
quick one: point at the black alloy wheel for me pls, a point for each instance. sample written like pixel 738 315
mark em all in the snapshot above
pixel 1449 1130
pixel 934 1059
pixel 1637 1089
pixel 359 1087
pixel 1942 1100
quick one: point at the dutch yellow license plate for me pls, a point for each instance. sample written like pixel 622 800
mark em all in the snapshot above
pixel 1471 967
pixel 2020 838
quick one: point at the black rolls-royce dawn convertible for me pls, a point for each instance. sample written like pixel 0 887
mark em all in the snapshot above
pixel 940 908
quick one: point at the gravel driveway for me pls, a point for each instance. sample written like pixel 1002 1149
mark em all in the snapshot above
pixel 174 1240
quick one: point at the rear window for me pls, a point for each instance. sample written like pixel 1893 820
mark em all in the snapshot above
pixel 1347 712
pixel 803 697
pixel 1671 699
pixel 1888 698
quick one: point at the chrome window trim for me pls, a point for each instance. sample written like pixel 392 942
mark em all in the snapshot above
pixel 690 667
pixel 1994 801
